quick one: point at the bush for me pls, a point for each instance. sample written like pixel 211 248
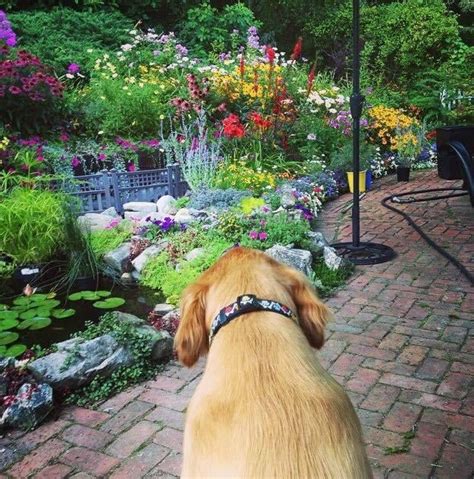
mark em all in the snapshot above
pixel 106 240
pixel 31 225
pixel 63 36
pixel 216 198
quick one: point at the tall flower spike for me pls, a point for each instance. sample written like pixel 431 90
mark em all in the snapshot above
pixel 270 53
pixel 311 76
pixel 297 49
pixel 242 66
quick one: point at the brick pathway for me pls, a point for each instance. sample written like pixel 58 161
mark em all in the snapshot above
pixel 402 345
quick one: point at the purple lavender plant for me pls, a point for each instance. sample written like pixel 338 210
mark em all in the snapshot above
pixel 6 32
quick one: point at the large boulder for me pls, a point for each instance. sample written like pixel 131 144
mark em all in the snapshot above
pixel 184 216
pixel 140 206
pixel 77 361
pixel 332 259
pixel 136 215
pixel 160 341
pixel 111 212
pixel 142 259
pixel 167 205
pixel 119 258
pixel 194 253
pixel 32 403
pixel 95 221
pixel 299 259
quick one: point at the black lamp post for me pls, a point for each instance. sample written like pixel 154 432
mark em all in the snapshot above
pixel 356 251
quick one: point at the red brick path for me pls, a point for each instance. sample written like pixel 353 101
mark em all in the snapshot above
pixel 402 345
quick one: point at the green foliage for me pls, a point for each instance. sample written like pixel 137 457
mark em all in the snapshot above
pixel 62 36
pixel 327 280
pixel 208 30
pixel 31 225
pixel 405 447
pixel 341 159
pixel 106 240
pixel 249 205
pixel 139 346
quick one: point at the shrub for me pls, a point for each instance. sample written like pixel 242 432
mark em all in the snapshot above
pixel 63 36
pixel 31 225
pixel 217 198
pixel 106 240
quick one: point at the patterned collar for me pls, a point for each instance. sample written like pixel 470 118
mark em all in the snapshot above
pixel 247 303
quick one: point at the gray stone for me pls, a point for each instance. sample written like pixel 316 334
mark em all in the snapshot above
pixel 119 258
pixel 142 259
pixel 136 275
pixel 127 278
pixel 194 253
pixel 160 341
pixel 317 243
pixel 135 215
pixel 331 258
pixel 163 308
pixel 199 214
pixel 6 363
pixel 31 405
pixel 299 259
pixel 167 205
pixel 78 361
pixel 111 212
pixel 140 206
pixel 183 216
pixel 94 221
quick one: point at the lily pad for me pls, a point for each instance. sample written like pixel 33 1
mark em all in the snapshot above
pixel 22 301
pixel 48 303
pixel 103 294
pixel 109 303
pixel 8 337
pixel 87 295
pixel 29 314
pixel 3 350
pixel 15 350
pixel 6 324
pixel 8 315
pixel 63 313
pixel 34 323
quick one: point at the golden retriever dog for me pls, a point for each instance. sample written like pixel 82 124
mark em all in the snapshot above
pixel 265 407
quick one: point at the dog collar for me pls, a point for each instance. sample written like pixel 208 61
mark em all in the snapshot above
pixel 247 303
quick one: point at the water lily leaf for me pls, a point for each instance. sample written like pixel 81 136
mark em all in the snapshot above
pixel 39 323
pixel 3 350
pixel 8 324
pixel 37 297
pixel 109 303
pixel 49 303
pixel 22 301
pixel 29 314
pixel 75 296
pixel 8 337
pixel 87 295
pixel 34 323
pixel 63 313
pixel 91 296
pixel 43 312
pixel 15 350
pixel 103 294
pixel 8 315
pixel 3 307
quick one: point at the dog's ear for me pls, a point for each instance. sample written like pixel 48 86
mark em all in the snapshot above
pixel 191 339
pixel 312 313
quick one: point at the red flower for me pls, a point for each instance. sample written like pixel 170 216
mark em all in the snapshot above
pixel 270 52
pixel 232 127
pixel 297 49
pixel 259 121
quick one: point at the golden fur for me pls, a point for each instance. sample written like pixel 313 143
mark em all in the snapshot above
pixel 265 408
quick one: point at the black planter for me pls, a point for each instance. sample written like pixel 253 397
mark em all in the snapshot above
pixel 403 173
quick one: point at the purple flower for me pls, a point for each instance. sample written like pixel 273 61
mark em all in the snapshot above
pixel 101 157
pixel 253 235
pixel 154 143
pixel 6 32
pixel 262 236
pixel 181 50
pixel 253 40
pixel 75 162
pixel 73 68
pixel 224 56
pixel 14 90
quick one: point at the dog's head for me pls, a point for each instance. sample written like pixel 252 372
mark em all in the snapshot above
pixel 245 271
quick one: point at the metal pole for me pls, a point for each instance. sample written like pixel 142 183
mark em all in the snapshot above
pixel 357 101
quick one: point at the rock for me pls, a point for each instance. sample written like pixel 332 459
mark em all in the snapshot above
pixel 299 259
pixel 167 205
pixel 142 259
pixel 171 321
pixel 183 216
pixel 119 258
pixel 4 382
pixel 163 308
pixel 136 276
pixel 317 243
pixel 199 214
pixel 160 341
pixel 140 206
pixel 111 212
pixel 94 221
pixel 287 198
pixel 332 260
pixel 78 361
pixel 31 405
pixel 6 363
pixel 127 278
pixel 194 253
pixel 136 215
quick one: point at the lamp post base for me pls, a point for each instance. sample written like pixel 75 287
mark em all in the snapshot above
pixel 365 253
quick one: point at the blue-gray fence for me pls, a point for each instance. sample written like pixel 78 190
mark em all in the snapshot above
pixel 100 191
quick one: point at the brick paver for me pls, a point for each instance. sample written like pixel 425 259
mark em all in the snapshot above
pixel 402 345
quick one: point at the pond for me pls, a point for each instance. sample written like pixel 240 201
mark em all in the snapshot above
pixel 137 300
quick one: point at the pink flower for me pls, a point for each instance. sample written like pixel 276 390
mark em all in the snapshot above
pixel 131 167
pixel 101 157
pixel 253 235
pixel 64 137
pixel 262 236
pixel 75 162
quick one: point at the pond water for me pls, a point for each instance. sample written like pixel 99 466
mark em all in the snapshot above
pixel 138 301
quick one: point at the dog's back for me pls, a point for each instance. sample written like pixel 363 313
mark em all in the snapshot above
pixel 265 408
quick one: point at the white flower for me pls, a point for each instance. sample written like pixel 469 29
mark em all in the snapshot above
pixel 127 47
pixel 311 137
pixel 332 110
pixel 69 75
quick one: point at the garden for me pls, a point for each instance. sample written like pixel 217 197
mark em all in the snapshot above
pixel 139 143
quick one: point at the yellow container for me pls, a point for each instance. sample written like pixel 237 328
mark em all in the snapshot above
pixel 350 180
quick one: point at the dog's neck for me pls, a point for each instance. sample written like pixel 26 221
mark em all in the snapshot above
pixel 247 303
